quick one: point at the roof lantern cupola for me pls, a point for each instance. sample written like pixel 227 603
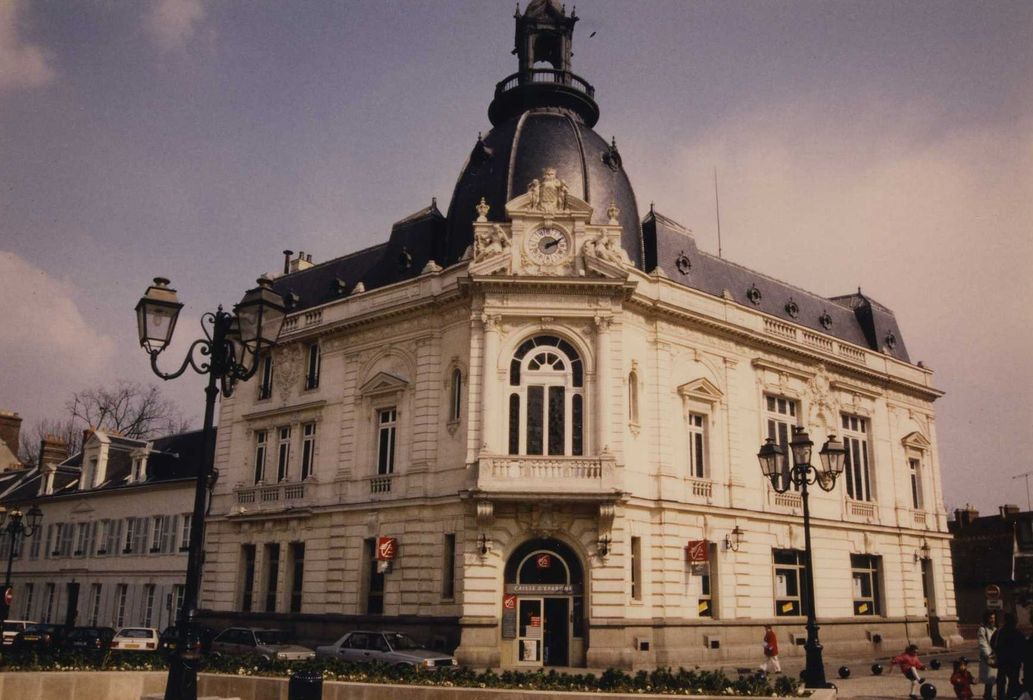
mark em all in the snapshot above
pixel 544 35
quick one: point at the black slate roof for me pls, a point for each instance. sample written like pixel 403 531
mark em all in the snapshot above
pixel 983 550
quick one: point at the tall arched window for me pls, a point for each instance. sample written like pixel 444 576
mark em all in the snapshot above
pixel 456 404
pixel 633 397
pixel 547 398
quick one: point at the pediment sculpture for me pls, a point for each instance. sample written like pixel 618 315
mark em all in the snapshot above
pixel 548 194
pixel 490 241
pixel 606 249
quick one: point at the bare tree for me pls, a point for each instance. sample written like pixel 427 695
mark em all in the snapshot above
pixel 127 408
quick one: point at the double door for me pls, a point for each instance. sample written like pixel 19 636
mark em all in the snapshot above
pixel 543 631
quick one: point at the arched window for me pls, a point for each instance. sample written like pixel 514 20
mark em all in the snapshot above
pixel 547 399
pixel 633 397
pixel 457 395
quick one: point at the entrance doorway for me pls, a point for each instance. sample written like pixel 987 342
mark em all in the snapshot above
pixel 543 611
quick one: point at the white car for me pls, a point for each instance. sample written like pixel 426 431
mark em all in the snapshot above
pixel 135 639
pixel 13 627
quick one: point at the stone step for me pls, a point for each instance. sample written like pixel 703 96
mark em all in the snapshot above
pixel 161 696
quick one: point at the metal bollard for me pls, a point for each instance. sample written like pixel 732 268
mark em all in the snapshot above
pixel 305 685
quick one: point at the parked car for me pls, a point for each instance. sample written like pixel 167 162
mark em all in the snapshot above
pixel 12 628
pixel 84 639
pixel 43 638
pixel 387 647
pixel 170 638
pixel 135 639
pixel 270 644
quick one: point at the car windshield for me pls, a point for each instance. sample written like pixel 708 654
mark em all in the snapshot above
pixel 135 633
pixel 402 642
pixel 13 626
pixel 269 637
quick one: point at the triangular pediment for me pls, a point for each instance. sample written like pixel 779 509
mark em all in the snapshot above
pixel 702 389
pixel 383 383
pixel 917 440
pixel 82 507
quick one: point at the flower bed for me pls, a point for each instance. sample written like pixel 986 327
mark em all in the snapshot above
pixel 660 681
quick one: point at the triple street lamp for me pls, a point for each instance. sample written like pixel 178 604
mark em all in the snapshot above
pixel 13 524
pixel 783 476
pixel 229 352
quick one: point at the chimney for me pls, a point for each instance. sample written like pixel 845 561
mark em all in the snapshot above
pixel 53 450
pixel 1009 510
pixel 10 429
pixel 302 262
pixel 965 516
pixel 287 261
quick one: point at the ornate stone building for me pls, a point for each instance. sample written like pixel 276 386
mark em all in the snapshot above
pixel 548 409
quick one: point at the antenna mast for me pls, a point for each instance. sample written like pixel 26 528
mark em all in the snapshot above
pixel 1025 476
pixel 717 206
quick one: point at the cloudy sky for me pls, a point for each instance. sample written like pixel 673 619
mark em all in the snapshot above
pixel 887 145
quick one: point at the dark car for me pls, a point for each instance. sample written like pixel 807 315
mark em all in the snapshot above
pixel 169 638
pixel 269 644
pixel 84 639
pixel 42 638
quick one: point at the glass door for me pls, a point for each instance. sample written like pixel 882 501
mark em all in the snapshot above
pixel 529 631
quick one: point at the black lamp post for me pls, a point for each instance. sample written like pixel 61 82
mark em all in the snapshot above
pixel 13 524
pixel 774 465
pixel 228 353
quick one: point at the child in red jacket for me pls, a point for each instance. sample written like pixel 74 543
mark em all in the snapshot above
pixel 962 680
pixel 910 666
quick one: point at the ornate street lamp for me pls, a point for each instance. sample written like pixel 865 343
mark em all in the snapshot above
pixel 227 353
pixel 14 524
pixel 801 474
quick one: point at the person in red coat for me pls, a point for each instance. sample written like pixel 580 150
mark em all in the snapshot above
pixel 962 680
pixel 910 666
pixel 771 664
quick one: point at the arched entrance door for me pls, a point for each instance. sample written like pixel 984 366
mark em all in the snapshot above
pixel 544 611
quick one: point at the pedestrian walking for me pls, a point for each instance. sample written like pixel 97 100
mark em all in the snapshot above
pixel 1009 648
pixel 910 666
pixel 987 660
pixel 962 680
pixel 771 663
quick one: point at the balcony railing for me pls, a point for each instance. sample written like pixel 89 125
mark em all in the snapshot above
pixel 861 509
pixel 271 495
pixel 701 488
pixel 546 75
pixel 536 474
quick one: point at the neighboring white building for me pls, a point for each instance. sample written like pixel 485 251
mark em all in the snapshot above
pixel 544 400
pixel 111 549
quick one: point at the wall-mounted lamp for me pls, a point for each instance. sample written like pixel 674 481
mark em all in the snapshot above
pixel 483 544
pixel 734 539
pixel 923 552
pixel 602 547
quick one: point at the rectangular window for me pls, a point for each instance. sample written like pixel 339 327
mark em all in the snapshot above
pixel 535 428
pixel 265 386
pixel 65 543
pixel 308 450
pixel 780 416
pixel 184 533
pixel 456 396
pixel 261 436
pixel 49 551
pixel 157 533
pixel 48 602
pixel 297 555
pixel 448 568
pixel 697 446
pixel 130 535
pixel 247 576
pixel 37 539
pixel 95 592
pixel 283 453
pixel 178 593
pixel 27 604
pixel 138 544
pixel 272 575
pixel 148 609
pixel 375 582
pixel 121 597
pixel 856 470
pixel 312 367
pixel 865 570
pixel 82 531
pixel 636 568
pixel 789 582
pixel 387 420
pixel 915 466
pixel 514 424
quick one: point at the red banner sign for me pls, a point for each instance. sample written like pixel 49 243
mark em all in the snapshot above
pixel 698 552
pixel 387 548
pixel 509 602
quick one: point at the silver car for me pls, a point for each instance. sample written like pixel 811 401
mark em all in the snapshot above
pixel 386 647
pixel 266 643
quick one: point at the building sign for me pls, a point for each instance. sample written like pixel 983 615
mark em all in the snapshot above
pixel 509 617
pixel 544 561
pixel 387 548
pixel 543 588
pixel 993 591
pixel 698 552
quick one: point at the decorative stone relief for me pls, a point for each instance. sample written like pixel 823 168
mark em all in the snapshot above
pixel 485 513
pixel 548 194
pixel 824 406
pixel 289 368
pixel 490 242
pixel 606 249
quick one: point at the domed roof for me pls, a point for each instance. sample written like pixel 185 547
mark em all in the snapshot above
pixel 543 117
pixel 503 163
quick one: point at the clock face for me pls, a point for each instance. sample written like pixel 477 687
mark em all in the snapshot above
pixel 548 246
